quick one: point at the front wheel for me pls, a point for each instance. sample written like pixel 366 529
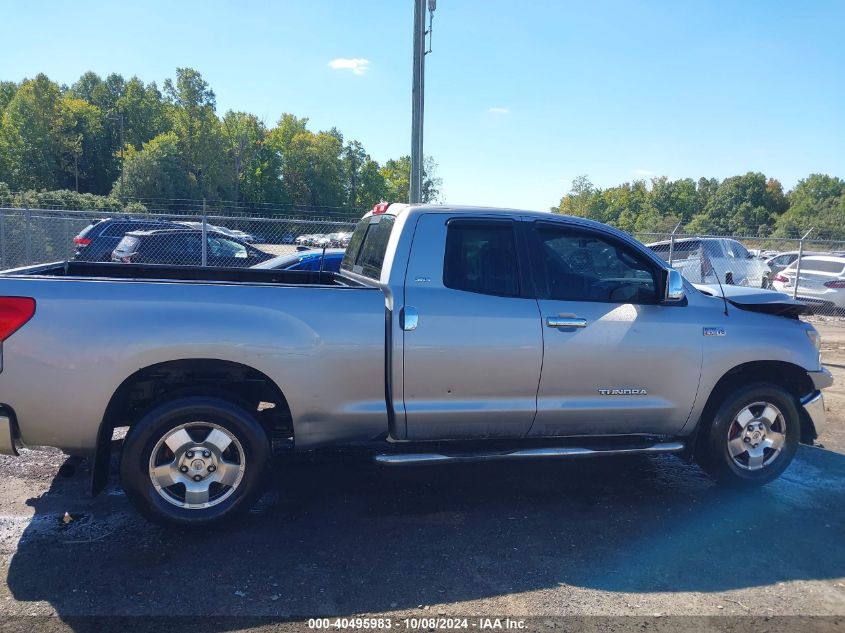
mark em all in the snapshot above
pixel 194 461
pixel 753 436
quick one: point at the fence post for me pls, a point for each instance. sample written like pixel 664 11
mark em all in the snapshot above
pixel 27 234
pixel 672 242
pixel 798 264
pixel 67 241
pixel 204 235
pixel 3 240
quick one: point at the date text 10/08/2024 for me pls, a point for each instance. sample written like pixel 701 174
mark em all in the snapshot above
pixel 414 623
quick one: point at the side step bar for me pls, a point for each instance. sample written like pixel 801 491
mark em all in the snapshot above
pixel 400 459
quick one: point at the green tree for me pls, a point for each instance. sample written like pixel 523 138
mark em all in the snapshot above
pixel 155 171
pixel 397 180
pixel 29 140
pixel 84 158
pixel 200 134
pixel 244 135
pixel 144 112
pixel 816 202
pixel 7 92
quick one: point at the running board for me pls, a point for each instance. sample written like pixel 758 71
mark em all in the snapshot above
pixel 400 459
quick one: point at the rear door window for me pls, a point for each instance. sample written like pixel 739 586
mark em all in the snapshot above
pixel 481 257
pixel 127 245
pixel 225 248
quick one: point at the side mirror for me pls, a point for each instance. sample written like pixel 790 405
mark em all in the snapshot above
pixel 674 287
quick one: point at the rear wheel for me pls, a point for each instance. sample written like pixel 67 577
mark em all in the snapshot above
pixel 194 461
pixel 753 436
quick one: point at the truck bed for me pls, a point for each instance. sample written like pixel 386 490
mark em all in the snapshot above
pixel 103 270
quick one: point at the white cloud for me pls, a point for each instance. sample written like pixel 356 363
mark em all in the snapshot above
pixel 499 110
pixel 643 172
pixel 358 65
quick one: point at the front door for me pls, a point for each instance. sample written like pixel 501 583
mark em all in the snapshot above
pixel 616 361
pixel 472 340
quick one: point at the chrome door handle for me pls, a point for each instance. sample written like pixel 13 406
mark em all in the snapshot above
pixel 560 321
pixel 410 318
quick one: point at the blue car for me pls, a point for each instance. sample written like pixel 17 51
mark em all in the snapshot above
pixel 306 260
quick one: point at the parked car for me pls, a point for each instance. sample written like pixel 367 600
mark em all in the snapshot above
pixel 821 281
pixel 492 334
pixel 287 238
pixel 183 247
pixel 779 261
pixel 702 259
pixel 306 260
pixel 97 241
pixel 302 240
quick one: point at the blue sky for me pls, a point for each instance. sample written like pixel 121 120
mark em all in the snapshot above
pixel 521 97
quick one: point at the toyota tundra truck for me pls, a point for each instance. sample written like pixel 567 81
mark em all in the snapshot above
pixel 449 334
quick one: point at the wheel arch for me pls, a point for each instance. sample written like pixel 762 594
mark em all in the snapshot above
pixel 791 377
pixel 156 383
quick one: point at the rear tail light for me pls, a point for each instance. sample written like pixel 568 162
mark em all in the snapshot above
pixel 781 278
pixel 838 283
pixel 81 241
pixel 14 312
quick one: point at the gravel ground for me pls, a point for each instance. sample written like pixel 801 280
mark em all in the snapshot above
pixel 643 537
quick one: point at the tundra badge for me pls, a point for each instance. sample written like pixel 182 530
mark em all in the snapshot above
pixel 714 331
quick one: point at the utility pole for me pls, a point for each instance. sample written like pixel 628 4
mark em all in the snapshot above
pixel 418 96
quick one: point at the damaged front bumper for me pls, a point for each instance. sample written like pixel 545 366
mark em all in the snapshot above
pixel 813 403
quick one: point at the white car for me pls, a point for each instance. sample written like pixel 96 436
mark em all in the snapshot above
pixel 822 280
pixel 701 259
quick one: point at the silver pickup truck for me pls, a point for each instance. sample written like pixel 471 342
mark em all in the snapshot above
pixel 450 334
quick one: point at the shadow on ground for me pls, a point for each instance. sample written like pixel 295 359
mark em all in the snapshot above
pixel 339 537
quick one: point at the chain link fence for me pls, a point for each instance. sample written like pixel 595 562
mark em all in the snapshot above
pixel 812 271
pixel 33 236
pixel 234 237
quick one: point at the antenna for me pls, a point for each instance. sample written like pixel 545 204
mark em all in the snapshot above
pixel 722 291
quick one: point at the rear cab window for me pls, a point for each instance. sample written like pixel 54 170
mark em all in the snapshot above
pixel 368 246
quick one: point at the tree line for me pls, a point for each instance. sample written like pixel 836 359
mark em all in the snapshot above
pixel 751 205
pixel 127 139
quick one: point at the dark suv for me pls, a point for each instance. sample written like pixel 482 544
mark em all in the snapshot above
pixel 97 241
pixel 183 247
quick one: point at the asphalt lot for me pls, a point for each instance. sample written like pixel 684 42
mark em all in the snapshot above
pixel 638 536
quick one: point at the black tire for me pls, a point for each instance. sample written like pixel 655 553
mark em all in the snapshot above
pixel 144 436
pixel 714 455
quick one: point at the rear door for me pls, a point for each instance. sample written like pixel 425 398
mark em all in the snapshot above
pixel 615 361
pixel 472 339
